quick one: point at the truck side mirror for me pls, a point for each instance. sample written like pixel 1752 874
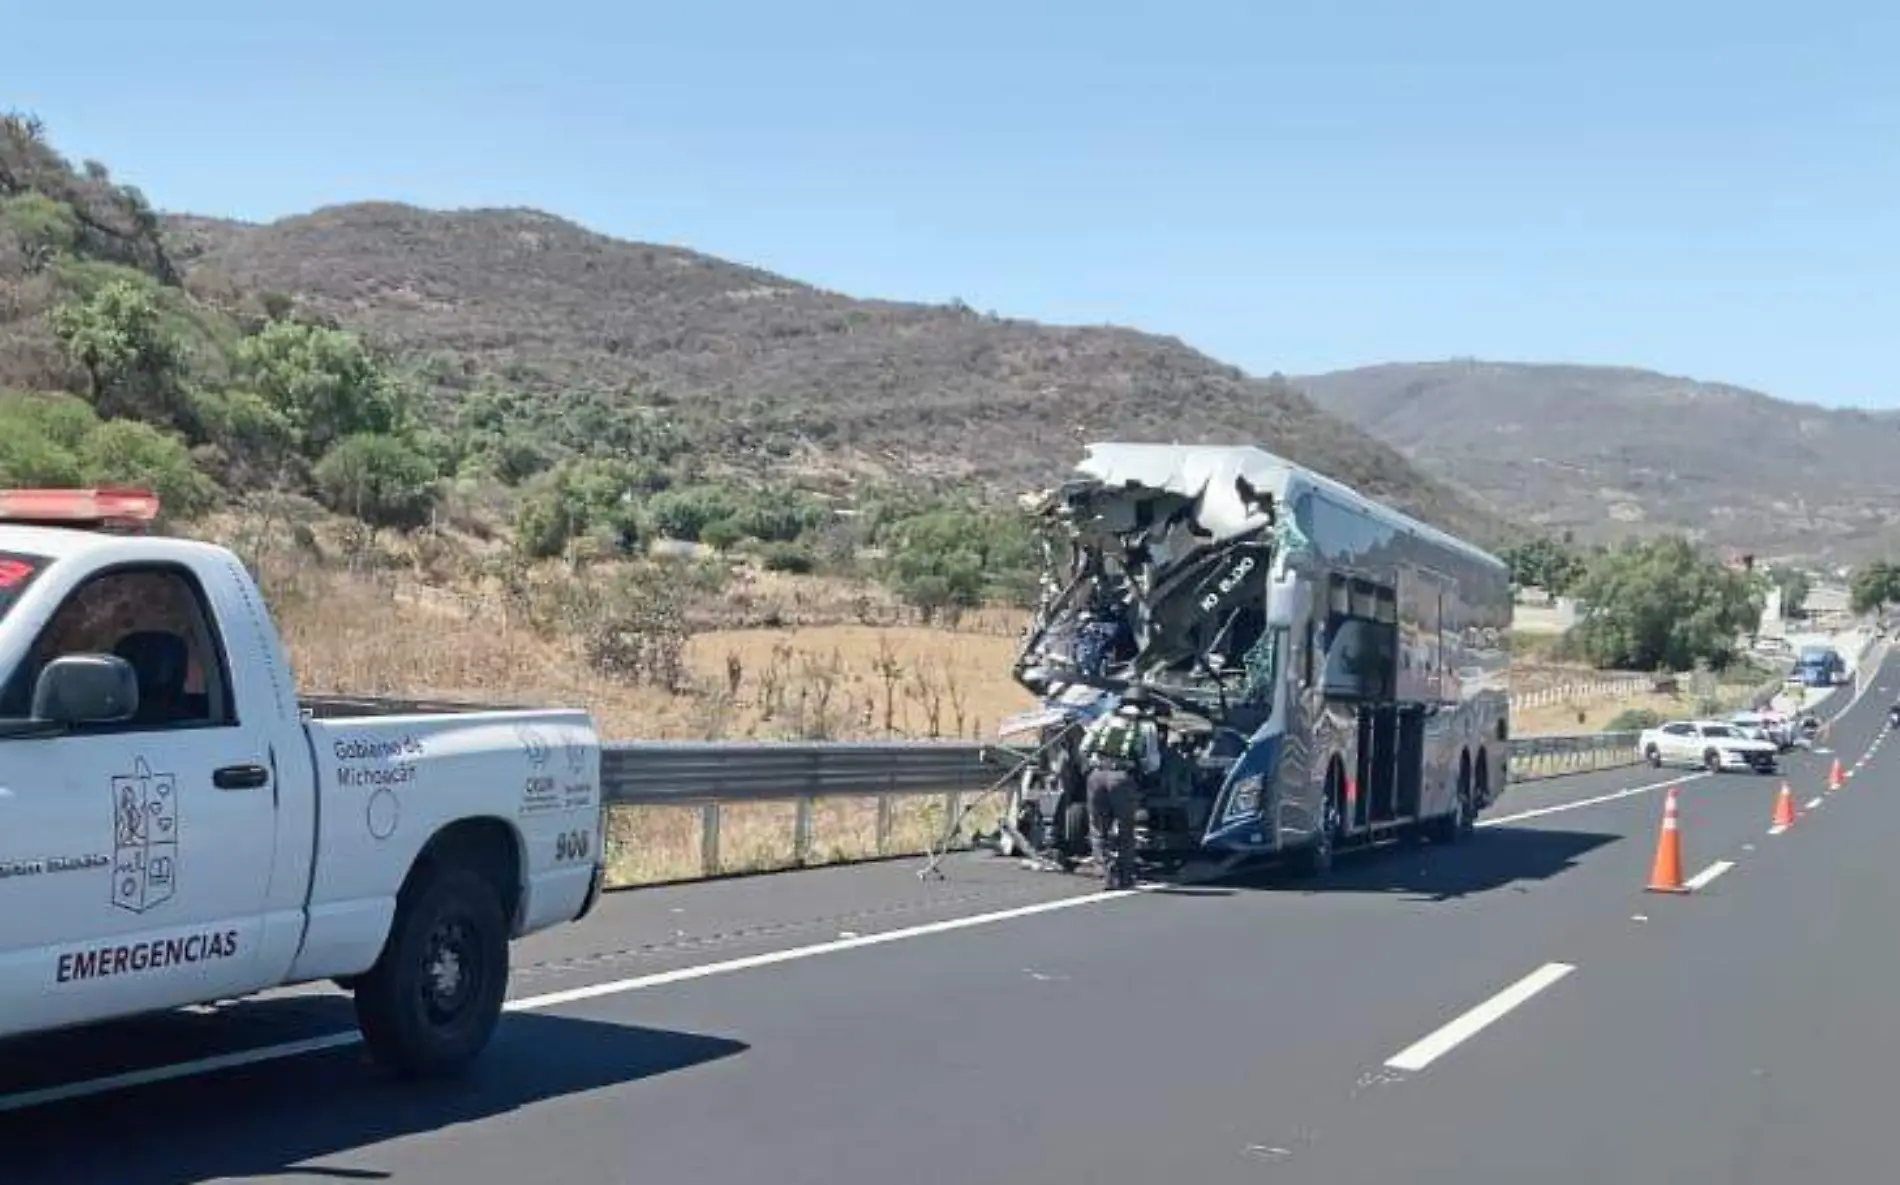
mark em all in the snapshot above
pixel 86 689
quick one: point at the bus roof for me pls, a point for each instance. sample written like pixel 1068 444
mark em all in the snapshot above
pixel 1191 469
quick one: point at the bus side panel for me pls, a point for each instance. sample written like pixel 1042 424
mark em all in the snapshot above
pixel 1455 622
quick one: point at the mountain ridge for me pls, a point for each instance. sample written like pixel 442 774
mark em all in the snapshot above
pixel 800 375
pixel 1601 451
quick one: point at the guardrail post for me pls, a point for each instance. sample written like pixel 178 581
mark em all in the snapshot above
pixel 883 824
pixel 801 832
pixel 709 839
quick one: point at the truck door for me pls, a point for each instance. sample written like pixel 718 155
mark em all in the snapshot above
pixel 135 858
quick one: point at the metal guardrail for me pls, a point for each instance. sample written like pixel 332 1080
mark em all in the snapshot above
pixel 711 776
pixel 696 773
pixel 689 773
pixel 1532 758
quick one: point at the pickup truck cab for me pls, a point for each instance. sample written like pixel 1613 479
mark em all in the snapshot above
pixel 175 829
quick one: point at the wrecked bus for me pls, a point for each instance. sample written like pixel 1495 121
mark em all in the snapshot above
pixel 1330 671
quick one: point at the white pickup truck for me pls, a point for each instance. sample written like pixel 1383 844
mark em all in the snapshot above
pixel 174 830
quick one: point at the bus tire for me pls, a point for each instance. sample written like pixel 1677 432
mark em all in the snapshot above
pixel 1455 824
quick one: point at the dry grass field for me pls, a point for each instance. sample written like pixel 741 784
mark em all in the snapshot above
pixel 818 683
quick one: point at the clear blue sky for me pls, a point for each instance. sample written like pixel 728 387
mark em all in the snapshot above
pixel 1706 188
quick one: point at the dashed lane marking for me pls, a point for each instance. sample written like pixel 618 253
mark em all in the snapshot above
pixel 1706 877
pixel 1435 1045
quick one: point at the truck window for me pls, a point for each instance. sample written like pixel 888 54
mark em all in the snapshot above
pixel 154 616
pixel 16 576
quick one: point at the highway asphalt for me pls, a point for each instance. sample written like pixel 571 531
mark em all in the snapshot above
pixel 857 1025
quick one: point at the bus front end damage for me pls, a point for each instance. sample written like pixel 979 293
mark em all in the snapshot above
pixel 1156 576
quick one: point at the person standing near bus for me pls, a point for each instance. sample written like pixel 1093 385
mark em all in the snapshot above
pixel 1122 749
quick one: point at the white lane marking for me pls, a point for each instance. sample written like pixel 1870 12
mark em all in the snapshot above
pixel 157 1074
pixel 1580 803
pixel 1701 880
pixel 271 1053
pixel 1777 829
pixel 770 958
pixel 1814 802
pixel 1430 1048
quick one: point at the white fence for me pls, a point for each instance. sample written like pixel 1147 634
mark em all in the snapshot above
pixel 1595 689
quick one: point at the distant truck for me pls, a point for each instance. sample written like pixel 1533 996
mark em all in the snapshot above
pixel 1820 666
pixel 173 830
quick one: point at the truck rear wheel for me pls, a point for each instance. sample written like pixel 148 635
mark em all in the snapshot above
pixel 430 1004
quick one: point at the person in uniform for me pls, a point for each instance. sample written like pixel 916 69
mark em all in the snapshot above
pixel 1121 749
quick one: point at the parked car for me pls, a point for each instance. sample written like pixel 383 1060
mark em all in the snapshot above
pixel 1710 744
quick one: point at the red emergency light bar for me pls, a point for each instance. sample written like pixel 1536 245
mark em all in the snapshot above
pixel 108 508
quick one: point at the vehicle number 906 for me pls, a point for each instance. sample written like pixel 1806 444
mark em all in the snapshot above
pixel 573 845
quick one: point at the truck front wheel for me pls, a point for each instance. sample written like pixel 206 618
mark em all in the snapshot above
pixel 431 1003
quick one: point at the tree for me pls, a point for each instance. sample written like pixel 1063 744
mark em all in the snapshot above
pixel 38 440
pixel 57 440
pixel 134 366
pixel 128 452
pixel 684 513
pixel 1795 587
pixel 584 497
pixel 257 441
pixel 379 479
pixel 1661 603
pixel 1543 563
pixel 323 383
pixel 1873 587
pixel 955 558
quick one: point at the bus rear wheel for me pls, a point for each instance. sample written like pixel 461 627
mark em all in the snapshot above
pixel 1457 823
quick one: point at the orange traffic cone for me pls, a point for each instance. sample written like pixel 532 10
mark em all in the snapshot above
pixel 1665 875
pixel 1835 779
pixel 1784 809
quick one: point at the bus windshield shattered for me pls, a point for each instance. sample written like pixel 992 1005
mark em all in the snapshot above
pixel 1156 576
pixel 1157 579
